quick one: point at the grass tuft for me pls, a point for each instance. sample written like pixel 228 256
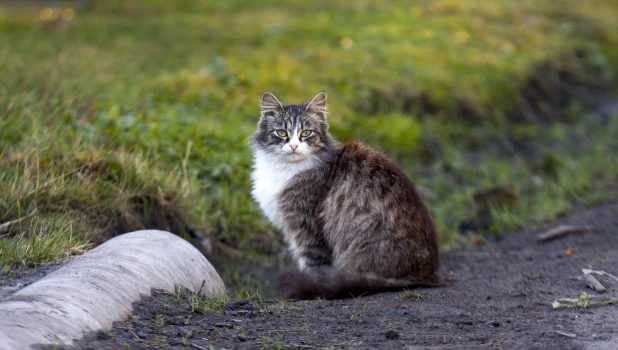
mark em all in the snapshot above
pixel 41 241
pixel 412 294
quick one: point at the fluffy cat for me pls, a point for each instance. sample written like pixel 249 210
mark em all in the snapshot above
pixel 354 222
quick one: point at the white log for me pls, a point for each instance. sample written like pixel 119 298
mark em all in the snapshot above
pixel 98 288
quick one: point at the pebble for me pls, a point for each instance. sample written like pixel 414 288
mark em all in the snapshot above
pixel 396 312
pixel 185 332
pixel 175 341
pixel 242 304
pixel 142 334
pixel 102 335
pixel 224 325
pixel 392 335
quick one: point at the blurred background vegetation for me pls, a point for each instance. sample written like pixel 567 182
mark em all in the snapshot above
pixel 120 115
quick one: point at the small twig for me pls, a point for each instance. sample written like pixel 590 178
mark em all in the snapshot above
pixel 135 335
pixel 570 335
pixel 198 347
pixel 607 302
pixel 562 230
pixel 199 292
pixel 6 227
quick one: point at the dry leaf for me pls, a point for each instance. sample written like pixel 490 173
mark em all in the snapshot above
pixel 480 240
pixel 571 251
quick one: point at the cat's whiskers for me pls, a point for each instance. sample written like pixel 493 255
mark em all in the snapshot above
pixel 319 161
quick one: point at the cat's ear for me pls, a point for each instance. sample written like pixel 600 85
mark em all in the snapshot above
pixel 270 105
pixel 318 105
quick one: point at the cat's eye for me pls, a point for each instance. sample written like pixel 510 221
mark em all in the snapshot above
pixel 281 133
pixel 306 133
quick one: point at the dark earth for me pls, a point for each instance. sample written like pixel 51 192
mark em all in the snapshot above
pixel 14 281
pixel 500 297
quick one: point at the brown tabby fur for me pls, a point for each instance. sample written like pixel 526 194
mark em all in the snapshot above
pixel 356 220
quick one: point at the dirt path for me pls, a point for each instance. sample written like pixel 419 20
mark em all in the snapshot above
pixel 499 297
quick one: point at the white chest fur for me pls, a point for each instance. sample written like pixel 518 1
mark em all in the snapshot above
pixel 270 176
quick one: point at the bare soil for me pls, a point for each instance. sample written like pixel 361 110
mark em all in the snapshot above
pixel 499 297
pixel 10 282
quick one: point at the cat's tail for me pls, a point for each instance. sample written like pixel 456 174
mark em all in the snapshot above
pixel 329 283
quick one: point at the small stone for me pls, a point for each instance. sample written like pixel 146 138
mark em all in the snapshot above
pixel 175 341
pixel 240 338
pixel 241 304
pixel 142 334
pixel 224 325
pixel 396 312
pixel 102 335
pixel 235 305
pixel 392 335
pixel 185 332
pixel 467 225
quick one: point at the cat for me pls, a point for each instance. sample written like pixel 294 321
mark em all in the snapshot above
pixel 353 220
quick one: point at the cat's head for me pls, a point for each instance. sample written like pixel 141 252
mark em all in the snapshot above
pixel 293 133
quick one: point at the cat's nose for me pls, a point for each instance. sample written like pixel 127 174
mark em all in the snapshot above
pixel 293 147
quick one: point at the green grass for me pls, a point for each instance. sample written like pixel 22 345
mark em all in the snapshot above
pixel 203 304
pixel 274 341
pixel 196 303
pixel 120 111
pixel 411 294
pixel 45 242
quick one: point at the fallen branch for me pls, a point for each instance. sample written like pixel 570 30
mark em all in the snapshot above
pixel 6 227
pixel 562 230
